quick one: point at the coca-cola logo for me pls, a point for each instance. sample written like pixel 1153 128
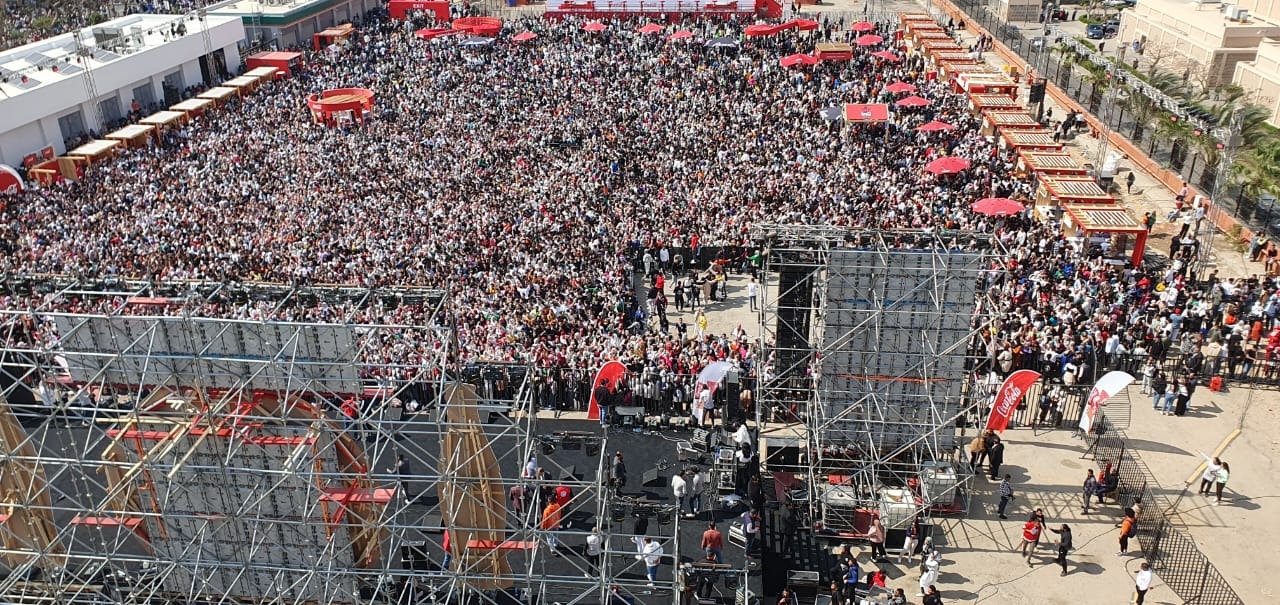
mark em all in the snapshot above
pixel 1010 400
pixel 10 182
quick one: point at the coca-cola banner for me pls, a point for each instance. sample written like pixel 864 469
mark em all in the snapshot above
pixel 1008 397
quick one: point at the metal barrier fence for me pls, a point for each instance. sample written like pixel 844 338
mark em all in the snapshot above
pixel 1173 553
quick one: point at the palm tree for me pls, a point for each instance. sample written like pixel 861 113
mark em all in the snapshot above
pixel 1258 168
pixel 1175 131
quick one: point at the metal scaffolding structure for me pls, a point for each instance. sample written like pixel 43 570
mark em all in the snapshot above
pixel 873 340
pixel 325 445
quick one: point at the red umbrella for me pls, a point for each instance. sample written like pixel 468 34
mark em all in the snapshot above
pixel 862 26
pixel 887 55
pixel 760 29
pixel 805 25
pixel 793 60
pixel 997 206
pixel 680 35
pixel 651 28
pixel 935 126
pixel 900 87
pixel 947 165
pixel 595 26
pixel 914 101
pixel 869 40
pixel 522 37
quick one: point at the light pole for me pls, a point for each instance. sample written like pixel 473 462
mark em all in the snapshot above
pixel 1229 142
pixel 1104 144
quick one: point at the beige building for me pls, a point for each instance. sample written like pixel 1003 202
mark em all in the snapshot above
pixel 1203 40
pixel 1260 78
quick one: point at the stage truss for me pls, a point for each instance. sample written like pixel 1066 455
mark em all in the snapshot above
pixel 306 451
pixel 874 338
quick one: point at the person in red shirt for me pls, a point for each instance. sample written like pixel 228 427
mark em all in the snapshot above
pixel 713 542
pixel 1030 536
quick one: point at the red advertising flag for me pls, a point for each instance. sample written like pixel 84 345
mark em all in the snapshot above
pixel 609 376
pixel 1008 397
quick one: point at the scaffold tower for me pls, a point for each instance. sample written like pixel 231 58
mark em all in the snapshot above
pixel 227 443
pixel 872 340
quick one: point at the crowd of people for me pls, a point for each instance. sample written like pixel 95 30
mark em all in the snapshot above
pixel 567 158
pixel 552 186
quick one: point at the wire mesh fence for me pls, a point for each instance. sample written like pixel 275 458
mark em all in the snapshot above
pixel 1172 552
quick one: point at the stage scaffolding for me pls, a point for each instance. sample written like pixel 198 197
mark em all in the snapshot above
pixel 873 339
pixel 324 445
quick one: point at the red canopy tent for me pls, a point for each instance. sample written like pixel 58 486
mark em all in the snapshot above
pixel 284 62
pixel 935 126
pixel 948 165
pixel 681 35
pixel 798 59
pixel 480 26
pixel 651 28
pixel 869 40
pixel 595 26
pixel 866 112
pixel 524 36
pixel 862 26
pixel 913 101
pixel 330 104
pixel 900 87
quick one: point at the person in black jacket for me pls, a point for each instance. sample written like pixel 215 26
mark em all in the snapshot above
pixel 1064 545
pixel 995 458
pixel 933 597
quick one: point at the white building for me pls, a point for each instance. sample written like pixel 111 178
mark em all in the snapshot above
pixel 58 88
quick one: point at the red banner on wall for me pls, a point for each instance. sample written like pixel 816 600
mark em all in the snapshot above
pixel 1008 397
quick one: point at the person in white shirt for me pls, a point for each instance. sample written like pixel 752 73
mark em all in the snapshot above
pixel 595 550
pixel 1142 583
pixel 742 436
pixel 697 483
pixel 679 489
pixel 651 553
pixel 753 289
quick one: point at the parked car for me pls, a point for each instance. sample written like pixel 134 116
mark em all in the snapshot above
pixel 1110 30
pixel 1095 31
pixel 1038 42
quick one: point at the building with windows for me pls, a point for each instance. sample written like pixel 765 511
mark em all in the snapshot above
pixel 62 87
pixel 1260 78
pixel 1202 40
pixel 289 23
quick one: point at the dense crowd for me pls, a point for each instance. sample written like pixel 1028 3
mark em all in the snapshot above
pixel 545 184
